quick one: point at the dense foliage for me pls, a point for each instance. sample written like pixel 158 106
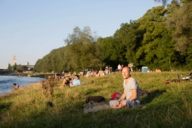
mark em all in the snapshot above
pixel 161 38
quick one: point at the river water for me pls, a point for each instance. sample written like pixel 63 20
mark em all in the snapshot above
pixel 6 82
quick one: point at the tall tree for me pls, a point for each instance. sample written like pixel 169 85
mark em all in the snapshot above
pixel 112 51
pixel 130 38
pixel 156 41
pixel 179 22
pixel 79 53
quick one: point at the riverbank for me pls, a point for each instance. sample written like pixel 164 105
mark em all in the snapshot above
pixel 166 106
pixel 21 90
pixel 9 83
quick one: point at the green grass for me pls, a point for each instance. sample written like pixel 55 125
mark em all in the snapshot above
pixel 166 106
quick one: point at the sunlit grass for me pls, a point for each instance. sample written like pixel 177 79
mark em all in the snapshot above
pixel 166 106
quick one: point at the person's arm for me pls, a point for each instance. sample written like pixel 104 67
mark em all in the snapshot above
pixel 123 96
pixel 121 104
pixel 133 95
pixel 64 81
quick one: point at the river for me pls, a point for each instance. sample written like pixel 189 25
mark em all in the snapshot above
pixel 6 82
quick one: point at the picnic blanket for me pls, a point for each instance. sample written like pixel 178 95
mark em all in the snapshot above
pixel 95 107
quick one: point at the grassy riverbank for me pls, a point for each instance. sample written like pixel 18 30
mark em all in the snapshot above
pixel 166 106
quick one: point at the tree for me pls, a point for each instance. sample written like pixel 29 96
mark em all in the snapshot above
pixel 130 38
pixel 159 39
pixel 9 67
pixel 180 23
pixel 111 51
pixel 78 54
pixel 164 2
pixel 156 41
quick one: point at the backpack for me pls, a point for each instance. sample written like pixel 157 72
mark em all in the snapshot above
pixel 115 96
pixel 96 99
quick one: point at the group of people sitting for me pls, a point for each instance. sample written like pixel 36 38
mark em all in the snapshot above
pixel 66 79
pixel 52 81
pixel 130 96
pixel 100 73
pixel 71 81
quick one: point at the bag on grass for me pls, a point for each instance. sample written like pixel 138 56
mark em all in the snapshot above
pixel 115 96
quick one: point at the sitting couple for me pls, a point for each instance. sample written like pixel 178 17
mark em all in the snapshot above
pixel 130 96
pixel 75 81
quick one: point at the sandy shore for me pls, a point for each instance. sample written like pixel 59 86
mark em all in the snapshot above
pixel 5 94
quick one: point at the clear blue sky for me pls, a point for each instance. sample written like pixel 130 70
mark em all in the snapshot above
pixel 30 29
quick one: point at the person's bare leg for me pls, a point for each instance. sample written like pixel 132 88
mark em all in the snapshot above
pixel 120 105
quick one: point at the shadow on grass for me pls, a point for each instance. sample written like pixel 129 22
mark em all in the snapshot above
pixel 150 96
pixel 72 116
pixel 4 106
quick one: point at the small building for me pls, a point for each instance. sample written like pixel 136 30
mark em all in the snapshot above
pixel 4 71
pixel 28 67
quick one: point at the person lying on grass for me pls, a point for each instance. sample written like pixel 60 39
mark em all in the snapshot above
pixel 130 96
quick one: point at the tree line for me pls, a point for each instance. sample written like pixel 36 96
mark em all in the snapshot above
pixel 161 38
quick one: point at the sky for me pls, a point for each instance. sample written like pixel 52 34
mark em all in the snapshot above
pixel 30 29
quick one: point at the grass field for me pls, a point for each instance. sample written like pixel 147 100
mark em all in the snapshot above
pixel 166 106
